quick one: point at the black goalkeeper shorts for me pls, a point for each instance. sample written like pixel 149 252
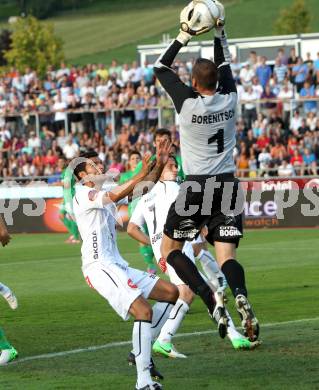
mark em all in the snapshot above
pixel 213 201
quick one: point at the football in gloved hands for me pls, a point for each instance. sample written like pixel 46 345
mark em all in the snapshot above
pixel 201 16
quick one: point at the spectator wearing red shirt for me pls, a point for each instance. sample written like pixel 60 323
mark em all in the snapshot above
pixel 297 162
pixel 292 145
pixel 263 141
pixel 50 159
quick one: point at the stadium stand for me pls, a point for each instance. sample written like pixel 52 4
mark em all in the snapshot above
pixel 116 109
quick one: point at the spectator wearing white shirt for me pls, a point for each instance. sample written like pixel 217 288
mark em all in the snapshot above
pixel 34 142
pixel 285 95
pixel 71 149
pixel 246 75
pixel 264 159
pixel 87 88
pixel 126 74
pixel 60 116
pixel 257 88
pixel 137 74
pixel 102 91
pixel 286 169
pixel 312 120
pixel 64 70
pixel 296 122
pixel 250 114
pixel 29 76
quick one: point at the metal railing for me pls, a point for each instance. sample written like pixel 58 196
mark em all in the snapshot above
pixel 166 115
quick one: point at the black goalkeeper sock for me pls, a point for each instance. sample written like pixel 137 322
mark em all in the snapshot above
pixel 189 274
pixel 235 276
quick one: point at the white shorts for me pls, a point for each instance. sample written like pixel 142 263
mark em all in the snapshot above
pixel 119 285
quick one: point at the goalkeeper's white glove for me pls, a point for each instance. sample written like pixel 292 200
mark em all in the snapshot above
pixel 220 23
pixel 184 36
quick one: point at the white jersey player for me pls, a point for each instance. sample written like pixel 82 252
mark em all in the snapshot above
pixel 125 288
pixel 152 209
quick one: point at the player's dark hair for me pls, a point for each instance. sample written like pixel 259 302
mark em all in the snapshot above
pixel 173 157
pixel 80 167
pixel 133 152
pixel 205 73
pixel 161 132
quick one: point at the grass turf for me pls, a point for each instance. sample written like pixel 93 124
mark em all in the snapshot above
pixel 58 312
pixel 103 30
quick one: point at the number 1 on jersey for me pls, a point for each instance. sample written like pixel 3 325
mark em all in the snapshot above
pixel 219 138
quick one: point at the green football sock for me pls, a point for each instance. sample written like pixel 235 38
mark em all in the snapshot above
pixel 147 254
pixel 74 230
pixel 4 343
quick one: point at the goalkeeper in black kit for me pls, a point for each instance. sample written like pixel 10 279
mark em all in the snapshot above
pixel 211 198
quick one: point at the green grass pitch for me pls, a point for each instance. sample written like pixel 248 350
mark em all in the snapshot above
pixel 58 312
pixel 101 30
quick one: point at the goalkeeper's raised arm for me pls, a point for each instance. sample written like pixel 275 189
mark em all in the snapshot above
pixel 222 59
pixel 177 90
pixel 197 18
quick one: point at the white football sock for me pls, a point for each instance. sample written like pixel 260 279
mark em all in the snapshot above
pixel 4 290
pixel 232 333
pixel 161 312
pixel 176 316
pixel 210 267
pixel 142 339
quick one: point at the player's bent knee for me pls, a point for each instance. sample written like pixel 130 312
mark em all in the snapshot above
pixel 186 294
pixel 173 293
pixel 141 310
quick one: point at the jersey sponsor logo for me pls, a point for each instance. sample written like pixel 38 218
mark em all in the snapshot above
pixel 131 284
pixel 187 235
pixel 92 195
pixel 229 231
pixel 213 118
pixel 95 246
pixel 157 237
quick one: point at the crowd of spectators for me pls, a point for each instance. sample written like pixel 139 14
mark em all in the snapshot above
pixel 277 136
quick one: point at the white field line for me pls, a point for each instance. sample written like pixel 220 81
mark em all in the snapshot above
pixel 127 255
pixel 128 343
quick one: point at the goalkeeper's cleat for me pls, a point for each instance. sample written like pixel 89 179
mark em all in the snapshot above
pixel 155 374
pixel 7 355
pixel 167 350
pixel 11 299
pixel 219 315
pixel 151 386
pixel 245 344
pixel 248 320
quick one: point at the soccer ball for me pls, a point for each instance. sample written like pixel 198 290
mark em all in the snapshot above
pixel 201 16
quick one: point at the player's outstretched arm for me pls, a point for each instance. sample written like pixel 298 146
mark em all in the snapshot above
pixel 4 234
pixel 162 156
pixel 135 232
pixel 150 174
pixel 122 191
